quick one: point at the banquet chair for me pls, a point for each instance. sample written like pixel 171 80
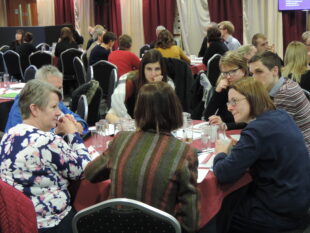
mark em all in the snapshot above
pixel 17 213
pixel 79 70
pixel 124 215
pixel 2 65
pixel 4 48
pixel 213 69
pixel 30 73
pixel 82 107
pixel 84 60
pixel 66 61
pixel 144 49
pixel 106 74
pixel 40 59
pixel 43 46
pixel 13 65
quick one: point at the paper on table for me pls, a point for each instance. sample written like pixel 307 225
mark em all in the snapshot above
pixel 17 85
pixel 92 152
pixel 202 173
pixel 235 136
pixel 205 164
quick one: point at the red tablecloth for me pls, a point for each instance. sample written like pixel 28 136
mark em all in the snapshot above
pixel 211 193
pixel 198 67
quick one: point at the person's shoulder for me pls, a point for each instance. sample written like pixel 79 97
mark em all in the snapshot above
pixel 289 86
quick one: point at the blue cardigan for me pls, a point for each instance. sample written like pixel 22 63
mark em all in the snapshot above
pixel 15 116
pixel 273 148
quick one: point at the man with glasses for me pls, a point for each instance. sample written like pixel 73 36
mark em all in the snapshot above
pixel 286 93
pixel 53 76
pixel 227 29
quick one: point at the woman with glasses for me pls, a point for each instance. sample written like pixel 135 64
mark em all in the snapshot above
pixel 233 67
pixel 272 149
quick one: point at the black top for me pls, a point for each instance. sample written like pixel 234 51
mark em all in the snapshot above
pixel 24 50
pixel 305 81
pixel 214 48
pixel 89 43
pixel 218 102
pixel 98 53
pixel 203 47
pixel 14 45
pixel 62 46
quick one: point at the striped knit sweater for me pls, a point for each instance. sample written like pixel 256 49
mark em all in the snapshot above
pixel 290 97
pixel 156 169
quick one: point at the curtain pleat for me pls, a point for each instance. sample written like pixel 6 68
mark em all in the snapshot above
pixel 3 16
pixel 64 12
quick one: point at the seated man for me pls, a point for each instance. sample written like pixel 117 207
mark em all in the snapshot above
pixel 260 41
pixel 227 29
pixel 53 76
pixel 286 93
pixel 306 39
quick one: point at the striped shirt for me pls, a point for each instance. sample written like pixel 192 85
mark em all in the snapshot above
pixel 156 169
pixel 292 99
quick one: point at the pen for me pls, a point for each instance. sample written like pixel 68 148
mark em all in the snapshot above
pixel 216 112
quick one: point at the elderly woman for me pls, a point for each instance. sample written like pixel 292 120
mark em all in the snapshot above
pixel 233 68
pixel 165 44
pixel 171 184
pixel 152 69
pixel 272 148
pixel 40 163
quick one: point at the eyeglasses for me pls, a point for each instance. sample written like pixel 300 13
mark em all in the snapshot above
pixel 234 102
pixel 230 73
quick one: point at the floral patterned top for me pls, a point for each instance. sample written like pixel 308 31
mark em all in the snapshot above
pixel 40 164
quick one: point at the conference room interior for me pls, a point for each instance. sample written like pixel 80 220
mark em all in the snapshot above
pixel 187 21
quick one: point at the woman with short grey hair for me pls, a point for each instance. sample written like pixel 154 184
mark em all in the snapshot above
pixel 39 163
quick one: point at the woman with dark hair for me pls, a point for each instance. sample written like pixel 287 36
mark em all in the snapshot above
pixel 166 46
pixel 215 44
pixel 19 36
pixel 273 150
pixel 152 69
pixel 66 41
pixel 151 165
pixel 25 49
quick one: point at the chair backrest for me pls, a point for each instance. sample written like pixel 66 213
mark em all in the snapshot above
pixel 106 74
pixel 84 60
pixel 40 59
pixel 213 69
pixel 144 49
pixel 124 215
pixel 43 46
pixel 2 64
pixel 66 59
pixel 79 69
pixel 4 48
pixel 30 73
pixel 13 65
pixel 82 108
pixel 307 94
pixel 17 213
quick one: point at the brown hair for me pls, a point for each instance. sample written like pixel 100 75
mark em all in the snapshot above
pixel 66 34
pixel 256 37
pixel 228 26
pixel 256 95
pixel 268 59
pixel 234 58
pixel 164 40
pixel 158 108
pixel 125 42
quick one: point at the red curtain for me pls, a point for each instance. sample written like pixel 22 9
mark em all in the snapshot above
pixel 157 12
pixel 64 12
pixel 222 10
pixel 294 24
pixel 108 13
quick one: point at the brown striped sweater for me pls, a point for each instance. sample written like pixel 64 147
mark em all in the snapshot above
pixel 157 169
pixel 290 97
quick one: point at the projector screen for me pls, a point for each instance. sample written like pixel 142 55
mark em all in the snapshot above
pixel 291 5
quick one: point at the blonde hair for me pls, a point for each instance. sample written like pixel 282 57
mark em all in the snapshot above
pixel 245 50
pixel 295 61
pixel 228 26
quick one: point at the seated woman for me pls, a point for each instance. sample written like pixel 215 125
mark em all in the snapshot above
pixel 171 185
pixel 272 149
pixel 40 163
pixel 25 49
pixel 19 36
pixel 215 45
pixel 233 68
pixel 165 44
pixel 124 59
pixel 65 42
pixel 102 51
pixel 152 69
pixel 296 64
